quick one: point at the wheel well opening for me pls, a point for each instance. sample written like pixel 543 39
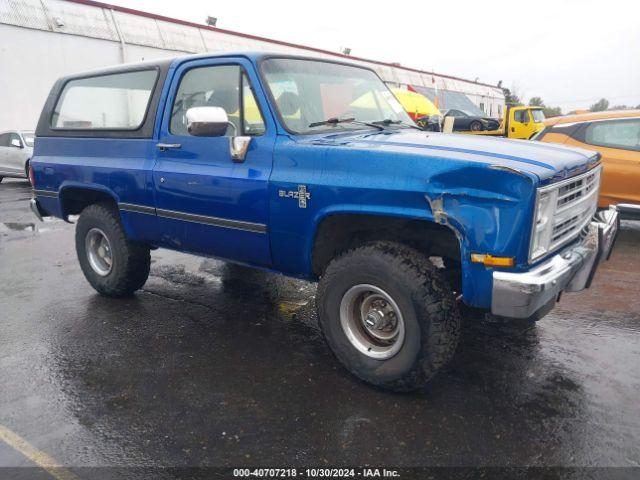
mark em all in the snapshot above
pixel 339 233
pixel 74 200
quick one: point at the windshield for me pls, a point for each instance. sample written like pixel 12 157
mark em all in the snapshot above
pixel 308 91
pixel 28 139
pixel 538 115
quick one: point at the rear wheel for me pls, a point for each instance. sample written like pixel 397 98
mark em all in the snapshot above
pixel 388 315
pixel 1 178
pixel 475 126
pixel 113 265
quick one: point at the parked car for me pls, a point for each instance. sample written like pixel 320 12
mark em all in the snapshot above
pixel 616 136
pixel 466 121
pixel 16 150
pixel 399 227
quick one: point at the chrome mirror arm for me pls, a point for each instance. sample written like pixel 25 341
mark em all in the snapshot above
pixel 233 126
pixel 238 145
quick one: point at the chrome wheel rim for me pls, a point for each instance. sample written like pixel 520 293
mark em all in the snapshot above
pixel 99 252
pixel 372 321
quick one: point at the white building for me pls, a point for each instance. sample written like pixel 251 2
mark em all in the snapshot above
pixel 42 40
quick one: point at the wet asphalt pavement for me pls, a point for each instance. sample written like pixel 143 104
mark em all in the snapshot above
pixel 219 365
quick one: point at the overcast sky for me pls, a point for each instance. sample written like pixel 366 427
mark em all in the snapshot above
pixel 569 52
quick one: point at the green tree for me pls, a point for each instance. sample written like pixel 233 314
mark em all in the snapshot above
pixel 536 102
pixel 552 111
pixel 600 106
pixel 548 111
pixel 511 98
pixel 619 107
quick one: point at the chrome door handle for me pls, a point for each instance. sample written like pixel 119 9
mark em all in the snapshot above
pixel 166 146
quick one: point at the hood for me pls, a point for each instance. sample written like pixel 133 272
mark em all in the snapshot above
pixel 549 162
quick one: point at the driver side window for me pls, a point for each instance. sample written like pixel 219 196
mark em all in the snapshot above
pixel 224 86
pixel 252 122
pixel 521 116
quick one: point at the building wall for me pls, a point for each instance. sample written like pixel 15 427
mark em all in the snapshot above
pixel 42 40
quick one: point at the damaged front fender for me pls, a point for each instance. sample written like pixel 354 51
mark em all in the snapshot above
pixel 490 210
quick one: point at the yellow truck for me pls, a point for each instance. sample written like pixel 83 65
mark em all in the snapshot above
pixel 519 121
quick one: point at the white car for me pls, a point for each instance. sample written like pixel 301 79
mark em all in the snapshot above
pixel 16 149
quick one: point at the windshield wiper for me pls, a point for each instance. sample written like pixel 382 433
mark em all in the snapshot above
pixel 387 121
pixel 336 120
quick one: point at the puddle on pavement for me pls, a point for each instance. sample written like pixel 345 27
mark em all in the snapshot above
pixel 288 299
pixel 47 225
pixel 18 226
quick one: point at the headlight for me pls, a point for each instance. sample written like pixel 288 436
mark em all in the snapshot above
pixel 543 223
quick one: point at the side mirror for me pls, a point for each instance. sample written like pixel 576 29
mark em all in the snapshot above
pixel 207 121
pixel 16 143
pixel 213 122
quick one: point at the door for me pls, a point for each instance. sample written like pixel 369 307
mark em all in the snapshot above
pixel 207 203
pixel 16 154
pixel 521 125
pixel 460 119
pixel 618 141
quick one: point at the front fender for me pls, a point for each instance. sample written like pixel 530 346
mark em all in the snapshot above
pixel 491 213
pixel 490 209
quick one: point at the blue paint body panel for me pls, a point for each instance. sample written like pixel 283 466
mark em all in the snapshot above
pixel 485 186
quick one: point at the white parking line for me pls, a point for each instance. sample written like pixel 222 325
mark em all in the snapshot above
pixel 41 459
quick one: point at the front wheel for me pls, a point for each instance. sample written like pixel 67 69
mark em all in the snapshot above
pixel 112 264
pixel 388 315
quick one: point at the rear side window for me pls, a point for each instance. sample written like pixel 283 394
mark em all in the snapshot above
pixel 624 134
pixel 5 139
pixel 116 101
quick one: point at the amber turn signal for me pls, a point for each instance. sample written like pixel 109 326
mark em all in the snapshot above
pixel 491 261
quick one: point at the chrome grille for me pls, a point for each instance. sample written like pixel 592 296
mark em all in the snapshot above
pixel 576 205
pixel 573 203
pixel 577 189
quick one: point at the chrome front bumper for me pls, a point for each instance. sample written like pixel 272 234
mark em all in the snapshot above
pixel 532 294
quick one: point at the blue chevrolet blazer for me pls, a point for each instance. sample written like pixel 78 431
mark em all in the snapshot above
pixel 311 168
